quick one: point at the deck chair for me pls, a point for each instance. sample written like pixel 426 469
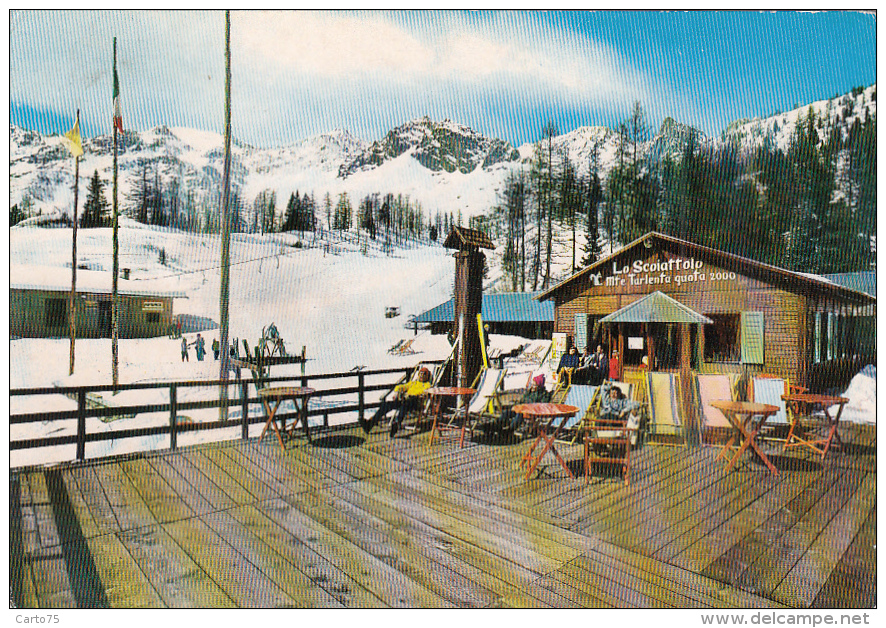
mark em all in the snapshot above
pixel 582 397
pixel 663 393
pixel 609 441
pixel 482 404
pixel 405 348
pixel 769 389
pixel 708 388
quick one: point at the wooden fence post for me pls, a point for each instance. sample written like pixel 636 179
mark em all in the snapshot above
pixel 244 405
pixel 173 416
pixel 81 424
pixel 360 401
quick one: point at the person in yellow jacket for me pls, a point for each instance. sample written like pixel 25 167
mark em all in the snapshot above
pixel 407 397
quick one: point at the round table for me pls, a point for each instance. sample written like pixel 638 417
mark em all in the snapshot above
pixel 802 405
pixel 543 414
pixel 437 395
pixel 271 399
pixel 745 427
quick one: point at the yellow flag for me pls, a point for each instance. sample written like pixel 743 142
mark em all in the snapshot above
pixel 73 137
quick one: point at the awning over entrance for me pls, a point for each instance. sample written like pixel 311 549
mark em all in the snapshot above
pixel 656 308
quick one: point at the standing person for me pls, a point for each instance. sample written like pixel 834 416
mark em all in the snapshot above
pixel 600 366
pixel 185 356
pixel 215 347
pixel 613 366
pixel 200 347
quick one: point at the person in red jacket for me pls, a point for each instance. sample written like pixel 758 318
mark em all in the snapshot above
pixel 613 366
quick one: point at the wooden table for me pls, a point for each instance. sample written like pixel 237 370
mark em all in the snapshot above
pixel 543 414
pixel 746 427
pixel 271 399
pixel 437 395
pixel 802 405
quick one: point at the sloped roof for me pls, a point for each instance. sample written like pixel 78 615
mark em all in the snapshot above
pixel 656 308
pixel 505 307
pixel 864 281
pixel 788 280
pixel 460 237
pixel 56 279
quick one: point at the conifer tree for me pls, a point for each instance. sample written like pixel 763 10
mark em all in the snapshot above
pixel 95 210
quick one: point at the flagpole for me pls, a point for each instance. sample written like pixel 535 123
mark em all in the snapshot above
pixel 224 292
pixel 72 314
pixel 115 245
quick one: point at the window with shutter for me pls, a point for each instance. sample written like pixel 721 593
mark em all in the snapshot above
pixel 752 337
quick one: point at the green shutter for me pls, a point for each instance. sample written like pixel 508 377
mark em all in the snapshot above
pixel 752 337
pixel 581 331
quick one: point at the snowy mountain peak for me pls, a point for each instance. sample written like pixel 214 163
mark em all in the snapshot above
pixel 438 146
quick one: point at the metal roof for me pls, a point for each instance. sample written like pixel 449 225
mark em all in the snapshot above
pixel 863 281
pixel 460 237
pixel 503 307
pixel 656 308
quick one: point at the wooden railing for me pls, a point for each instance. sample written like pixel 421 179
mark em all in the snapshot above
pixel 362 382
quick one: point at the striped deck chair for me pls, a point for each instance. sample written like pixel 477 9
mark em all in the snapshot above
pixel 708 388
pixel 663 393
pixel 769 389
pixel 582 397
pixel 482 403
pixel 405 348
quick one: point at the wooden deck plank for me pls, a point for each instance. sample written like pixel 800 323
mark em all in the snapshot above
pixel 237 469
pixel 381 579
pixel 160 498
pixel 803 582
pixel 286 575
pixel 727 548
pixel 720 502
pixel 766 573
pixel 850 585
pixel 128 507
pixel 184 488
pixel 213 493
pixel 178 580
pixel 290 476
pixel 219 476
pixel 125 585
pixel 230 570
pixel 52 586
pixel 395 541
pixel 23 590
pixel 96 500
pixel 342 586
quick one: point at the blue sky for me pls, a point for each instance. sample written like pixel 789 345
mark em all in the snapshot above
pixel 505 74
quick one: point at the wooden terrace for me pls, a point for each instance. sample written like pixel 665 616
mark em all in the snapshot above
pixel 356 521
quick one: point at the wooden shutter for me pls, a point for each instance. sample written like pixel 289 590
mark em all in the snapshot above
pixel 752 337
pixel 581 331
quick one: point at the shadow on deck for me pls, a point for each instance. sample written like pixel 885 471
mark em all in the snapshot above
pixel 368 521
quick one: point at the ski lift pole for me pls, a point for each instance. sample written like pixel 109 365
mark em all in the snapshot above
pixel 224 296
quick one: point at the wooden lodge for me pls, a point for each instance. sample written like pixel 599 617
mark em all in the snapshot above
pixel 691 308
pixel 39 301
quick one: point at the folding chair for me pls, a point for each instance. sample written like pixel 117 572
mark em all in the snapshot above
pixel 713 387
pixel 663 393
pixel 769 389
pixel 405 348
pixel 487 384
pixel 607 440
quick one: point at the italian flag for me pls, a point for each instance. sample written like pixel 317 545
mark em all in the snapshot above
pixel 118 117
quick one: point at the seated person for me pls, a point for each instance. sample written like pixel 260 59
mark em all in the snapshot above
pixel 570 360
pixel 583 373
pixel 508 420
pixel 614 406
pixel 407 397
